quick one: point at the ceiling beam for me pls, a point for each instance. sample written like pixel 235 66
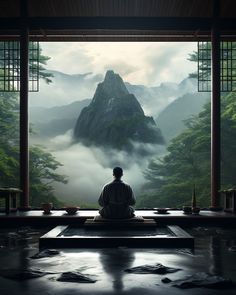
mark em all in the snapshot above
pixel 118 23
pixel 122 23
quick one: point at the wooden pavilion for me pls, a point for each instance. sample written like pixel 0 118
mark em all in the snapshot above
pixel 118 20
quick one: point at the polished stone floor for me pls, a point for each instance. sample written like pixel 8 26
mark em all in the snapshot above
pixel 213 254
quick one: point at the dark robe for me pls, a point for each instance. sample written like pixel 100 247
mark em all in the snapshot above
pixel 116 199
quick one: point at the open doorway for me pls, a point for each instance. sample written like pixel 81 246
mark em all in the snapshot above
pixel 156 149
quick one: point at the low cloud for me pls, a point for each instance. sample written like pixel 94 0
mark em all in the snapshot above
pixel 89 168
pixel 169 63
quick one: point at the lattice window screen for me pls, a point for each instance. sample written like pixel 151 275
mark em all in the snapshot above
pixel 227 64
pixel 10 66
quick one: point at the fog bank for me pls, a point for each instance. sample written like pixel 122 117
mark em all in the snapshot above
pixel 89 168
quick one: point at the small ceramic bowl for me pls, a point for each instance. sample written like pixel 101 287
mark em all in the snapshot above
pixel 71 210
pixel 162 210
pixel 47 207
pixel 196 210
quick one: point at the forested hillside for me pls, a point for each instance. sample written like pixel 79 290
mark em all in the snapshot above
pixel 43 165
pixel 171 119
pixel 171 179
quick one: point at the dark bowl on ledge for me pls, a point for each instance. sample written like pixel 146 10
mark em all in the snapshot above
pixel 71 210
pixel 162 210
pixel 196 210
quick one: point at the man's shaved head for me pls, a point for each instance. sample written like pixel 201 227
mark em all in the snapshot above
pixel 117 172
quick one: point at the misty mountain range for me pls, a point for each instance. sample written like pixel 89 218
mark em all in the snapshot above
pixel 64 89
pixel 171 119
pixel 154 99
pixel 56 108
pixel 50 122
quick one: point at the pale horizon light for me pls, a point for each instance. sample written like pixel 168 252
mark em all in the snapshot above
pixel 145 63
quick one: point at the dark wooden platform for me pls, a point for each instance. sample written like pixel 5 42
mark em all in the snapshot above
pixel 174 237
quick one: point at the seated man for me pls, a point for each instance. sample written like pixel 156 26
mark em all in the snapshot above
pixel 116 198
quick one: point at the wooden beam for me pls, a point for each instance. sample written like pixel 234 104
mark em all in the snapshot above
pixel 215 111
pixel 119 23
pixel 24 124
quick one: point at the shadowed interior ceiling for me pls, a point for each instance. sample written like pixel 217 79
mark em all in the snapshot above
pixel 116 20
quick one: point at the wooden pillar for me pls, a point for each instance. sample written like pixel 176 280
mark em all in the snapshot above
pixel 24 124
pixel 215 110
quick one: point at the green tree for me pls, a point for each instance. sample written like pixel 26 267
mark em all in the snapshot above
pixel 42 175
pixel 43 165
pixel 171 179
pixel 43 59
pixel 9 139
pixel 228 140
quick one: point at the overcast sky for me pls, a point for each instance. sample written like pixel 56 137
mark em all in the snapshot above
pixel 147 63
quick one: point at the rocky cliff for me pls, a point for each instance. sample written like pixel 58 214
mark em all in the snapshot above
pixel 115 118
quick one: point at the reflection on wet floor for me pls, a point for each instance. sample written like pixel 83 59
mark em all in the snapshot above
pixel 121 259
pixel 212 254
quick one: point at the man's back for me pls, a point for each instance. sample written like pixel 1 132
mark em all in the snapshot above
pixel 116 198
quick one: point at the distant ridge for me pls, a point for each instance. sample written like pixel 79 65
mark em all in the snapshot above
pixel 50 122
pixel 171 119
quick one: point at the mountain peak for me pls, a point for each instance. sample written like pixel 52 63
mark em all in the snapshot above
pixel 113 85
pixel 115 118
pixel 110 75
